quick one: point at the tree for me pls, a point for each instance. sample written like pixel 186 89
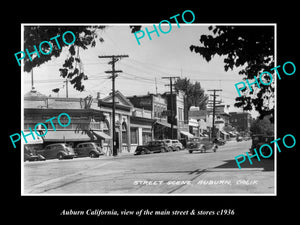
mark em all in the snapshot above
pixel 194 93
pixel 262 126
pixel 85 37
pixel 249 48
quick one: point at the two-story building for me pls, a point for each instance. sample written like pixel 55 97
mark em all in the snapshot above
pixel 157 106
pixel 176 115
pixel 241 121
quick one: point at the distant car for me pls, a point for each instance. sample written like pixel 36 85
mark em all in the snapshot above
pixel 239 138
pixel 246 138
pixel 90 149
pixel 219 141
pixel 30 155
pixel 197 144
pixel 59 151
pixel 169 144
pixel 177 145
pixel 152 147
pixel 173 144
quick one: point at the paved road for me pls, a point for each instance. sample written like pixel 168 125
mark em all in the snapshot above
pixel 163 173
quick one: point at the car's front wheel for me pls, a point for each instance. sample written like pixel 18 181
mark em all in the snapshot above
pixel 143 152
pixel 93 155
pixel 60 156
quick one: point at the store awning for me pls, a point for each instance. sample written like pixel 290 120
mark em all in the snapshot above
pixel 101 134
pixel 69 135
pixel 31 141
pixel 224 132
pixel 165 124
pixel 187 134
pixel 231 133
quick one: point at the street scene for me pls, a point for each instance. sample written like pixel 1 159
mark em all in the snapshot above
pixel 102 115
pixel 163 173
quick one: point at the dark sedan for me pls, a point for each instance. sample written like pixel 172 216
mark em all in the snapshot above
pixel 90 149
pixel 197 144
pixel 59 151
pixel 152 147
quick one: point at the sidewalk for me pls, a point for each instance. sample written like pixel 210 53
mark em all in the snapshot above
pixel 120 154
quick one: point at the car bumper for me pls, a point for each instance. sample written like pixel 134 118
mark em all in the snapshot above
pixel 193 149
pixel 69 156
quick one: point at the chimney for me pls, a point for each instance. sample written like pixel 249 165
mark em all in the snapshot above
pixel 98 95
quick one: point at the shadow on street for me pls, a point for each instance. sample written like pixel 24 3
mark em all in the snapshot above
pixel 266 164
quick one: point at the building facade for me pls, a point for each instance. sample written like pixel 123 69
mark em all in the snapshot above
pixel 87 123
pixel 158 108
pixel 176 104
pixel 241 121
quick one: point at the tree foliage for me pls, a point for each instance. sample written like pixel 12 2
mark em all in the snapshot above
pixel 86 37
pixel 251 50
pixel 194 93
pixel 262 126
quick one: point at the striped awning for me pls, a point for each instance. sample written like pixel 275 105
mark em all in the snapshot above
pixel 101 134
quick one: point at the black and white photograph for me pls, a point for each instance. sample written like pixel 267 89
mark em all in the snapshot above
pixel 158 109
pixel 150 113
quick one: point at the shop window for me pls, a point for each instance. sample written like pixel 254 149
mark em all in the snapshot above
pixel 134 135
pixel 146 137
pixel 124 137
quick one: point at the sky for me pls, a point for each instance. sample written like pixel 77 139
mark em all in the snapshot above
pixel 166 55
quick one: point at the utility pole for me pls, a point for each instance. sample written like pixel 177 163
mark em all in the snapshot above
pixel 155 86
pixel 32 87
pixel 113 72
pixel 66 81
pixel 214 110
pixel 171 102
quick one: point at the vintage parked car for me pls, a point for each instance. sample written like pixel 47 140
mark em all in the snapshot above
pixel 30 155
pixel 239 138
pixel 59 151
pixel 197 144
pixel 246 138
pixel 177 145
pixel 169 144
pixel 152 147
pixel 258 140
pixel 90 149
pixel 173 144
